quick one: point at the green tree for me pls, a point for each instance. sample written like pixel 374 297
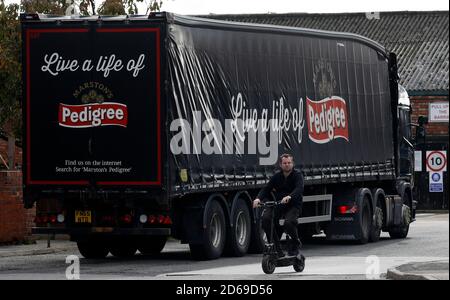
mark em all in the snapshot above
pixel 154 5
pixel 56 7
pixel 87 7
pixel 121 7
pixel 10 75
pixel 112 7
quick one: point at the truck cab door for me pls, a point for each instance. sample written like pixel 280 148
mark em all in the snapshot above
pixel 405 134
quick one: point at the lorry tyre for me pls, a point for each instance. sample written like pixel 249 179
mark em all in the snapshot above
pixel 92 249
pixel 377 224
pixel 213 234
pixel 123 250
pixel 238 240
pixel 152 245
pixel 401 231
pixel 365 221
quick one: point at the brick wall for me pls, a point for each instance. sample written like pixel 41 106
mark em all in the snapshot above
pixel 15 220
pixel 427 200
pixel 420 108
pixel 4 153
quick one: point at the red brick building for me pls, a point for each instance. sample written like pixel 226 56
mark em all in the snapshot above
pixel 15 220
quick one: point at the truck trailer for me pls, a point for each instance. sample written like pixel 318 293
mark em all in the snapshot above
pixel 141 128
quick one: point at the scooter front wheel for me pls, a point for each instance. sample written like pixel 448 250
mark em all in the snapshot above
pixel 268 264
pixel 299 264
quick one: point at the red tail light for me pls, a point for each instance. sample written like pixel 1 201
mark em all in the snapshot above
pixel 167 221
pixel 127 219
pixel 346 209
pixel 343 209
pixel 161 219
pixel 151 219
pixel 42 219
pixel 52 219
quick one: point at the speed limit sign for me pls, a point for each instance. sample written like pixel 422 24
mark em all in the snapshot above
pixel 436 161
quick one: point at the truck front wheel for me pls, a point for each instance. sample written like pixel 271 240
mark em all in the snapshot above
pixel 401 231
pixel 365 221
pixel 213 234
pixel 377 224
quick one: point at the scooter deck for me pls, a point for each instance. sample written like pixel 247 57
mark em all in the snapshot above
pixel 287 260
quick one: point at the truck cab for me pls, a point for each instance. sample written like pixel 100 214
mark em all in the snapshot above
pixel 406 143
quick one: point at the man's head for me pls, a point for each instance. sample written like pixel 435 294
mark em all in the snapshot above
pixel 286 163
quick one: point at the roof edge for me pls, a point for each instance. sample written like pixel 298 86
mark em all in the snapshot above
pixel 232 25
pixel 290 14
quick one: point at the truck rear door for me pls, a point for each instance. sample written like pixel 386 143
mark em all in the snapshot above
pixel 92 108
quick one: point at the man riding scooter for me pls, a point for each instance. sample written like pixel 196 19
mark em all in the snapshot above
pixel 287 186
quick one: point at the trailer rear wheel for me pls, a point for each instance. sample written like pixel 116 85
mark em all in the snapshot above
pixel 152 245
pixel 92 249
pixel 239 236
pixel 123 250
pixel 213 235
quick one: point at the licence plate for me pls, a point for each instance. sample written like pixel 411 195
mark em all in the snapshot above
pixel 83 216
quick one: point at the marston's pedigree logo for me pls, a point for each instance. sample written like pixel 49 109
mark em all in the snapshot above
pixel 327 119
pixel 93 114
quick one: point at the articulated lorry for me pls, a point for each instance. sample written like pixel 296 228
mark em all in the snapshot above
pixel 141 128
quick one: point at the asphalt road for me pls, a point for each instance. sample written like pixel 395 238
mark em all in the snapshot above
pixel 428 240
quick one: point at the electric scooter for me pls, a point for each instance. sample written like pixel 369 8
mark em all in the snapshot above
pixel 270 255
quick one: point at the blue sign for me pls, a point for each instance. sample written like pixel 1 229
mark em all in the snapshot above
pixel 436 184
pixel 436 177
pixel 436 187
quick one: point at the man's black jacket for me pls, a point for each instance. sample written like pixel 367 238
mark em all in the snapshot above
pixel 285 186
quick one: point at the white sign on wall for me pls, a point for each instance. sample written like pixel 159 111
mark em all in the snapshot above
pixel 438 112
pixel 418 161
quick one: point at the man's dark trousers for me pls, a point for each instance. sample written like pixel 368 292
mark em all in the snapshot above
pixel 290 214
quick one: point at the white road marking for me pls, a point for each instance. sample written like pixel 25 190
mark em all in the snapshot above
pixel 318 265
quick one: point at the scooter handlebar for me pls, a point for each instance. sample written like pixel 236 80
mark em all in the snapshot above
pixel 269 203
